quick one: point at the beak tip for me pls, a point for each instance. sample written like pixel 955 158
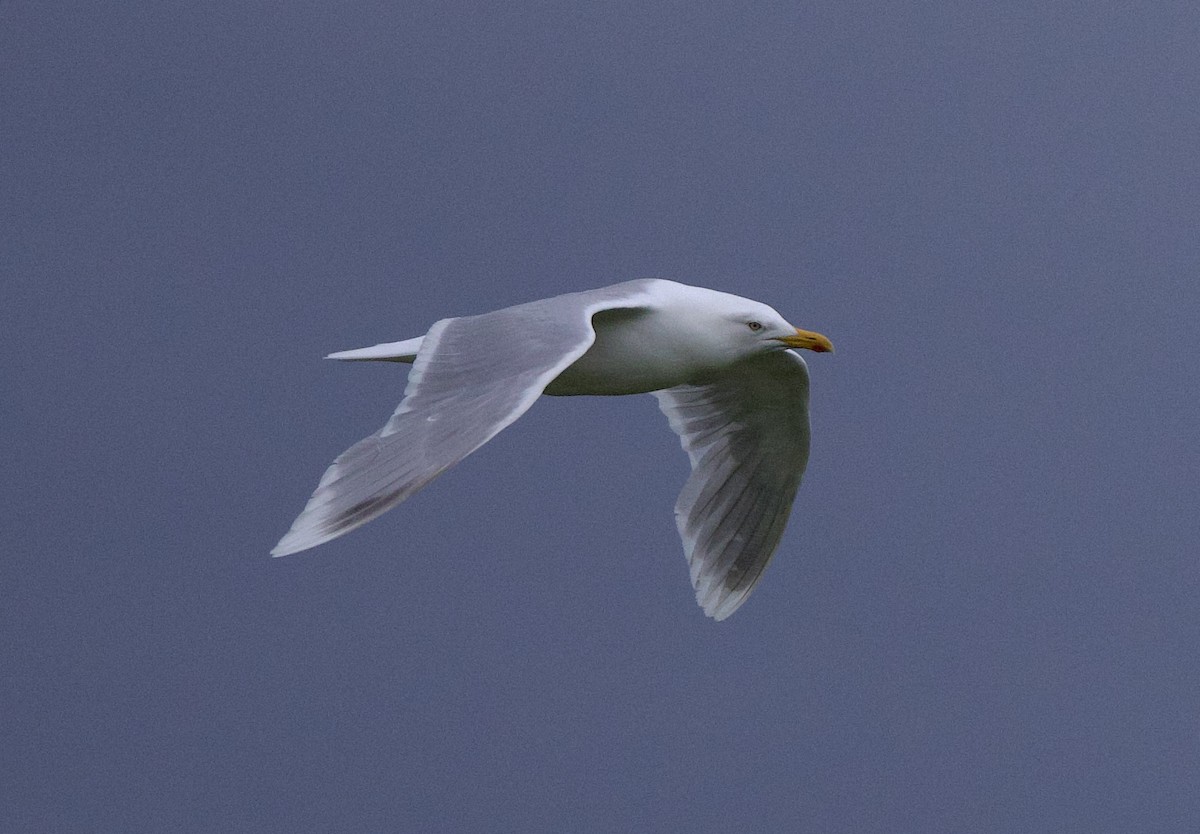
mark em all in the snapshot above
pixel 808 340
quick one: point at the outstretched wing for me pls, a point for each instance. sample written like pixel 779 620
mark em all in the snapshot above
pixel 472 377
pixel 747 436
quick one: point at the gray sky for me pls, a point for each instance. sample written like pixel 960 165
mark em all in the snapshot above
pixel 984 616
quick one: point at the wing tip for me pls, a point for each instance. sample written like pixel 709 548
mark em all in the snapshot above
pixel 717 600
pixel 723 607
pixel 301 537
pixel 288 545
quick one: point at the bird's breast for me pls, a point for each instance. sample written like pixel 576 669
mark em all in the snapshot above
pixel 633 354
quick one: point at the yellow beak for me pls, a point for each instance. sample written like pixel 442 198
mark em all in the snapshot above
pixel 808 340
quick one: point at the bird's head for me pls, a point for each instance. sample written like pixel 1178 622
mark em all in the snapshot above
pixel 759 329
pixel 715 328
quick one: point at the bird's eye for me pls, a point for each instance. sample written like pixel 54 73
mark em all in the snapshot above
pixel 754 325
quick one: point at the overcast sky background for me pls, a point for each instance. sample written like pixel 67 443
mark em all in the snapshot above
pixel 985 615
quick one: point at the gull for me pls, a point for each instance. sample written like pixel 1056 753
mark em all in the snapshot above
pixel 725 372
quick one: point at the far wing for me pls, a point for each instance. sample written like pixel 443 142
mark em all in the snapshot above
pixel 472 377
pixel 747 436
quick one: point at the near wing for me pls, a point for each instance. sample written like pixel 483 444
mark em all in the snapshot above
pixel 472 377
pixel 747 435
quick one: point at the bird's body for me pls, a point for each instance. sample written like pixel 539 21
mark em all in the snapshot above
pixel 719 364
pixel 629 356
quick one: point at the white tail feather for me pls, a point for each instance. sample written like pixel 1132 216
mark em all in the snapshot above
pixel 405 351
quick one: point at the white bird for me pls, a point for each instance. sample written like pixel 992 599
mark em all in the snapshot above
pixel 721 366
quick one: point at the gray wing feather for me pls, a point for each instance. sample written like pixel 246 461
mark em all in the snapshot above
pixel 472 377
pixel 747 436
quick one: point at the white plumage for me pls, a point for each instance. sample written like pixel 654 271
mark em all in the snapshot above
pixel 722 367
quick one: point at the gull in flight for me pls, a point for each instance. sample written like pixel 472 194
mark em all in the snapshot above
pixel 725 372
